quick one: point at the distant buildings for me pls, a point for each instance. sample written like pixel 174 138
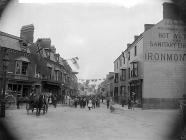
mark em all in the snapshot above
pixel 35 64
pixel 153 66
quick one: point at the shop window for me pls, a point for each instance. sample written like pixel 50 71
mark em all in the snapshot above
pixel 122 90
pixel 21 67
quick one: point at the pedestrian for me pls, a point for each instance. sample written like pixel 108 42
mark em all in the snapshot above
pixel 75 102
pixel 123 101
pixel 129 103
pixel 89 104
pixel 108 102
pixel 93 103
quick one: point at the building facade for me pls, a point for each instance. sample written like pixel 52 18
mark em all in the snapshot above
pixel 155 63
pixel 36 64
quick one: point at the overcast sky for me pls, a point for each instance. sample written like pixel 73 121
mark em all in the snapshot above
pixel 96 31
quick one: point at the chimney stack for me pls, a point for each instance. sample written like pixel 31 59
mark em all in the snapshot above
pixel 135 37
pixel 44 42
pixel 53 49
pixel 170 11
pixel 27 33
pixel 148 26
pixel 128 45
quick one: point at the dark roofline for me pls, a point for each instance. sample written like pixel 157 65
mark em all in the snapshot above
pixel 11 36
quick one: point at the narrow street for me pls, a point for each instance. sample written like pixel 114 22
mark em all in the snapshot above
pixel 68 123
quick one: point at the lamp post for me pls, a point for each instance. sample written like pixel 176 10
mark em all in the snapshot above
pixel 5 65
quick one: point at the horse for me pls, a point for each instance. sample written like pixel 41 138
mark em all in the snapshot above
pixel 37 102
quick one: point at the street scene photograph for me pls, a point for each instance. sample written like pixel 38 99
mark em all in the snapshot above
pixel 92 70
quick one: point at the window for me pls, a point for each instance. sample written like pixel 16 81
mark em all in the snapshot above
pixel 117 64
pixel 129 55
pixel 24 68
pixel 21 67
pixel 120 62
pixel 129 72
pixel 49 73
pixel 47 53
pixel 123 59
pixel 56 75
pixel 134 69
pixel 135 50
pixel 123 75
pixel 116 78
pixel 18 67
pixel 122 90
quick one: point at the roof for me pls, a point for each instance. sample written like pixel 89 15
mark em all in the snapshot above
pixel 11 42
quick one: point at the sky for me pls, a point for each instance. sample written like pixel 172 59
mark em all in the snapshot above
pixel 96 31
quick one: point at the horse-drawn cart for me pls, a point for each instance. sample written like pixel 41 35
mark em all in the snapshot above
pixel 38 103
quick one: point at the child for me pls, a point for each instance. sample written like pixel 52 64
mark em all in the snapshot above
pixel 89 104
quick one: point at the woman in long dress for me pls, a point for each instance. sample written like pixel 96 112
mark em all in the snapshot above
pixel 89 104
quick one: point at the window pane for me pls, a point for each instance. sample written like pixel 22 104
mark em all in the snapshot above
pixel 24 68
pixel 18 67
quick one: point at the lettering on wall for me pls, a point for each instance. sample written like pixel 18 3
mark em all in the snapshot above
pixel 170 40
pixel 167 43
pixel 162 56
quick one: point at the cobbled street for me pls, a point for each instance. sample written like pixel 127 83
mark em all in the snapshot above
pixel 68 123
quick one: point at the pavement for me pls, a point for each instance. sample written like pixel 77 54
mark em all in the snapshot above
pixel 69 123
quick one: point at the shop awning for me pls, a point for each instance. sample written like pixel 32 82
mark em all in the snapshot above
pixel 58 69
pixel 49 65
pixel 23 59
pixel 134 61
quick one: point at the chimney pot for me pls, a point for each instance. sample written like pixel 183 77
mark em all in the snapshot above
pixel 27 33
pixel 170 11
pixel 148 26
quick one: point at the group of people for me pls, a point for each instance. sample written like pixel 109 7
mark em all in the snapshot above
pixel 90 101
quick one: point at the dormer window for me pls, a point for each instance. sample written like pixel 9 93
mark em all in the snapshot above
pixel 23 46
pixel 47 53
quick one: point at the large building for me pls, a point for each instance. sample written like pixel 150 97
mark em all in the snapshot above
pixel 35 64
pixel 154 63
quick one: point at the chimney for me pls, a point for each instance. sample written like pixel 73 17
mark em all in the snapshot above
pixel 53 49
pixel 27 33
pixel 135 37
pixel 128 45
pixel 148 26
pixel 44 42
pixel 170 11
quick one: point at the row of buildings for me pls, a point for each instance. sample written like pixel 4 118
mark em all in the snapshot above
pixel 35 65
pixel 153 66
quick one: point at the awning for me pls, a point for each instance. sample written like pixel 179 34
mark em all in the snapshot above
pixel 23 59
pixel 49 65
pixel 134 61
pixel 57 68
pixel 74 72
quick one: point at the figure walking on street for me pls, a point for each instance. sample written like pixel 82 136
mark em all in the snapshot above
pixel 89 104
pixel 108 102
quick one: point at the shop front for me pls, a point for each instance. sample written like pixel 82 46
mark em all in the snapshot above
pixel 135 88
